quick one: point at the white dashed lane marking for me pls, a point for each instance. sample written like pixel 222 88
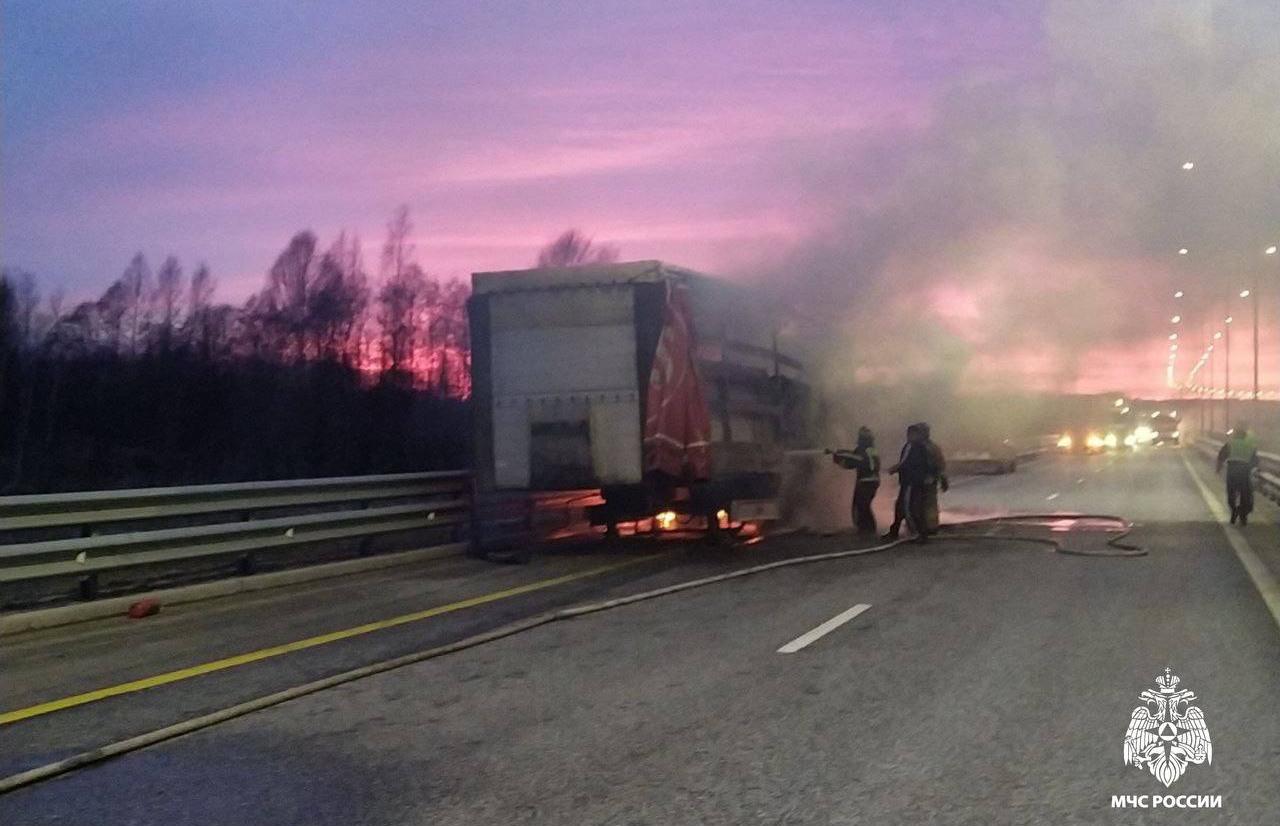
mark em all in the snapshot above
pixel 822 630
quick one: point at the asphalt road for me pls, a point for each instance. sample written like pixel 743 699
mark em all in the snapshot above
pixel 987 682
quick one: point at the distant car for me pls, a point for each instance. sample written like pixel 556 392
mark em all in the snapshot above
pixel 1157 432
pixel 997 460
pixel 1161 427
pixel 1099 441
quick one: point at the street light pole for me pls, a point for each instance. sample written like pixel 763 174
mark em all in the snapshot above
pixel 1271 250
pixel 1213 390
pixel 1253 295
pixel 1226 366
pixel 1201 384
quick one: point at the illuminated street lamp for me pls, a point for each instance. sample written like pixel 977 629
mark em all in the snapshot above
pixel 1173 336
pixel 1178 294
pixel 1176 319
pixel 1244 293
pixel 1183 251
pixel 1188 166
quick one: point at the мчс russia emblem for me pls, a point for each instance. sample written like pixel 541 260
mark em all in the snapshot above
pixel 1167 732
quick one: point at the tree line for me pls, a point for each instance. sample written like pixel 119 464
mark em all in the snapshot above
pixel 328 369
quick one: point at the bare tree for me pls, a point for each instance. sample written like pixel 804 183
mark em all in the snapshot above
pixel 281 308
pixel 24 302
pixel 397 250
pixel 8 331
pixel 165 300
pixel 199 297
pixel 398 301
pixel 402 297
pixel 110 310
pixel 135 286
pixel 337 301
pixel 54 302
pixel 573 248
pixel 201 292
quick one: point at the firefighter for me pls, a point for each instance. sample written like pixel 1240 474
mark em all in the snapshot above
pixel 912 470
pixel 1240 455
pixel 864 460
pixel 936 475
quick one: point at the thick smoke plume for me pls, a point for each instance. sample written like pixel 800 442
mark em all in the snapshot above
pixel 1026 239
pixel 1025 242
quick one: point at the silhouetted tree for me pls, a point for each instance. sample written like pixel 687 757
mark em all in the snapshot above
pixel 155 383
pixel 166 301
pixel 400 298
pixel 279 311
pixel 197 329
pixel 336 303
pixel 572 247
pixel 8 338
pixel 135 293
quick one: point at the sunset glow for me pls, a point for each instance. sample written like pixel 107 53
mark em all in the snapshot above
pixel 844 157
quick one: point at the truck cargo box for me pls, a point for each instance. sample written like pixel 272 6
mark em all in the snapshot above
pixel 563 365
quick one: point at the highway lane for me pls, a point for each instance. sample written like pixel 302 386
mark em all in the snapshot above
pixel 987 682
pixel 196 658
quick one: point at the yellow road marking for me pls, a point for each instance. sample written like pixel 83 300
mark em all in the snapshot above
pixel 1263 579
pixel 297 645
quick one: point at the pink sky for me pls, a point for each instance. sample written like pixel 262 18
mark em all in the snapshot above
pixel 723 137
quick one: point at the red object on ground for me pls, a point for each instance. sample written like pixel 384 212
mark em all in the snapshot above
pixel 677 426
pixel 144 608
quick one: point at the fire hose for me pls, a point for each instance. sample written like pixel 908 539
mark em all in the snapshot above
pixel 157 736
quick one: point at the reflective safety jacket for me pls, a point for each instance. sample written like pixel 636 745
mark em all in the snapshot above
pixel 1239 450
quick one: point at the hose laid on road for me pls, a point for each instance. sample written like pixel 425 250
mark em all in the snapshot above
pixel 151 738
pixel 1121 548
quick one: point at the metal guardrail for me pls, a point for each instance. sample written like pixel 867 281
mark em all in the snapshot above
pixel 1268 479
pixel 122 529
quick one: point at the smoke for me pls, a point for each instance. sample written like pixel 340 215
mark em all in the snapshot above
pixel 1026 239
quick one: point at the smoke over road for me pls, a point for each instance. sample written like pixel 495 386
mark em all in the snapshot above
pixel 1026 239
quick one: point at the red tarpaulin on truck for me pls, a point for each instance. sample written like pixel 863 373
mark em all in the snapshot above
pixel 677 426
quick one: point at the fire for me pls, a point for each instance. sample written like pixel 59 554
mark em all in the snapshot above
pixel 666 520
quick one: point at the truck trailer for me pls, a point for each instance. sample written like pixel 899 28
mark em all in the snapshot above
pixel 646 390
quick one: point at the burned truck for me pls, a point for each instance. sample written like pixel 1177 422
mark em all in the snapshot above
pixel 637 391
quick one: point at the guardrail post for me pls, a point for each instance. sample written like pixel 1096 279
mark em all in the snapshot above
pixel 88 587
pixel 245 565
